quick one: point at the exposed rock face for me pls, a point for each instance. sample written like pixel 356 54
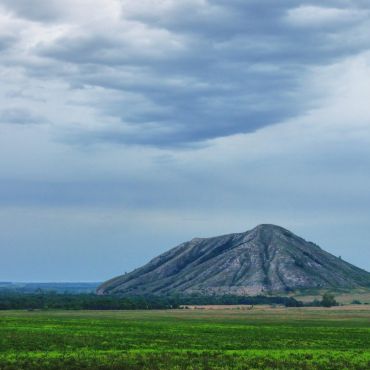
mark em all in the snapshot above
pixel 266 259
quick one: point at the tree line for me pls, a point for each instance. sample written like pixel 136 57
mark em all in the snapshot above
pixel 68 301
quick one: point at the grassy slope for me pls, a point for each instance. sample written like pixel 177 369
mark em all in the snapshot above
pixel 343 297
pixel 186 339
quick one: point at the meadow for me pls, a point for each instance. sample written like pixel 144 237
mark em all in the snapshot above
pixel 261 338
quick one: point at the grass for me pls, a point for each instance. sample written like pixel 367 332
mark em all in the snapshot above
pixel 343 297
pixel 187 339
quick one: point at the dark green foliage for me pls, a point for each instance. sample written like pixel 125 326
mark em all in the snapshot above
pixel 237 300
pixel 47 300
pixel 328 300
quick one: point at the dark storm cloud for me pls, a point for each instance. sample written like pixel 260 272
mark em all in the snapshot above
pixel 202 70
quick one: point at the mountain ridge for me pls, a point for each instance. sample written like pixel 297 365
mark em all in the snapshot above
pixel 264 260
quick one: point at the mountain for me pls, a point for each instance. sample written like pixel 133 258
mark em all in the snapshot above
pixel 267 259
pixel 60 288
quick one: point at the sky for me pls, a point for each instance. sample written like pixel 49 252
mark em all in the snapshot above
pixel 128 127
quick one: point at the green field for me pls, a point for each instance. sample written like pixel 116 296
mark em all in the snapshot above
pixel 337 338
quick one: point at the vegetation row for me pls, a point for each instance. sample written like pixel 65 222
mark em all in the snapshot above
pixel 49 300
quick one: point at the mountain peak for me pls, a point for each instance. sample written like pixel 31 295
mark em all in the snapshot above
pixel 265 259
pixel 268 226
pixel 271 228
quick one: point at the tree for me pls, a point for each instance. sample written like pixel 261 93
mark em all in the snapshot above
pixel 328 300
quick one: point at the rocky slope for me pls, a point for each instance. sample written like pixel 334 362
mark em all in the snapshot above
pixel 266 259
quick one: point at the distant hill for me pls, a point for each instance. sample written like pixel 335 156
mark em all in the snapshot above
pixel 267 259
pixel 71 288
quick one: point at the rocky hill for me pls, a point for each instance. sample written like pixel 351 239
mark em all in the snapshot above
pixel 266 259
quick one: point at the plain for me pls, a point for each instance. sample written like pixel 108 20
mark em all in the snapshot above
pixel 239 338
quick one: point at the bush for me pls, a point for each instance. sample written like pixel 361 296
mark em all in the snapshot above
pixel 328 300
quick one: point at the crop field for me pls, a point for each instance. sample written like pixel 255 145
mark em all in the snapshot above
pixel 261 338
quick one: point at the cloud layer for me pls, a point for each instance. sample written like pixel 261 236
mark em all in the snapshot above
pixel 129 126
pixel 172 73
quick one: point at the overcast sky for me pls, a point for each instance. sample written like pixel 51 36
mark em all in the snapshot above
pixel 128 127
